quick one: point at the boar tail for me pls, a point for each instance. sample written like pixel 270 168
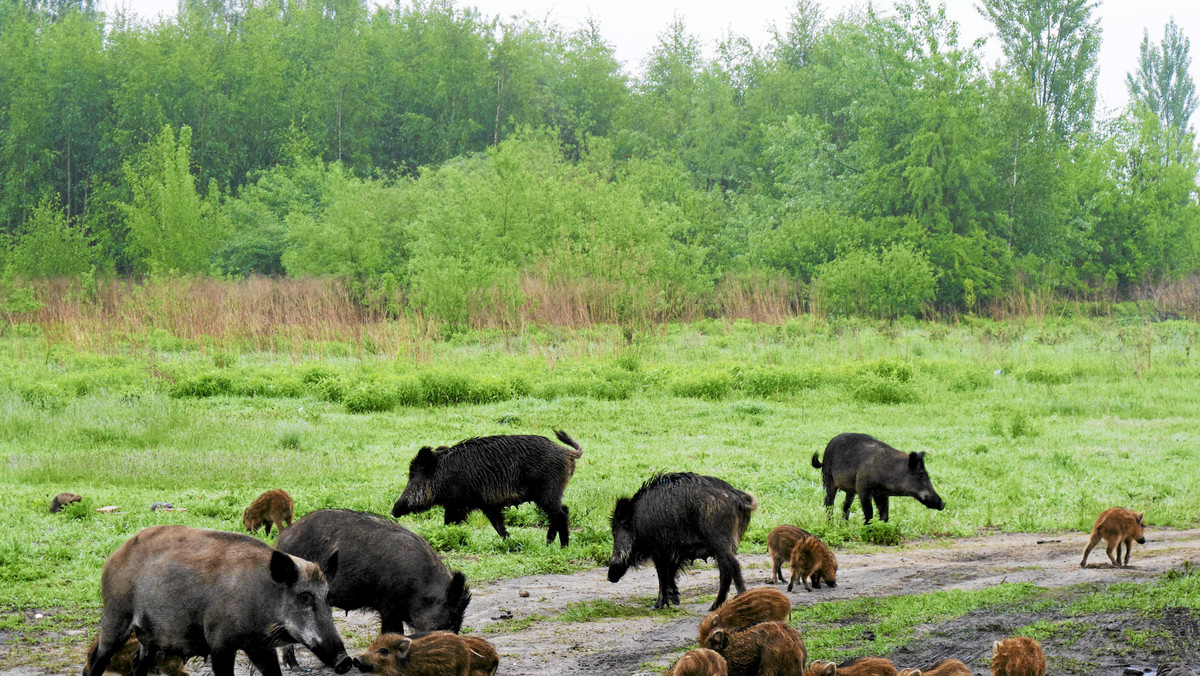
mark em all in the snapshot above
pixel 749 502
pixel 566 439
pixel 816 463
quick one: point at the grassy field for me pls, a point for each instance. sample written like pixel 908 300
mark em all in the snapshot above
pixel 1028 427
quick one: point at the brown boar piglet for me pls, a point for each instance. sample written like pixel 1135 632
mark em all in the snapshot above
pixel 122 662
pixel 812 560
pixel 761 604
pixel 437 653
pixel 1018 656
pixel 773 648
pixel 865 666
pixel 271 508
pixel 950 667
pixel 780 543
pixel 1118 526
pixel 699 662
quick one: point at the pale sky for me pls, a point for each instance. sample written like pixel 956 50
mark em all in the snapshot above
pixel 633 26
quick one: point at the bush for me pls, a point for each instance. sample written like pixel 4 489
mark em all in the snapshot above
pixel 447 538
pixel 711 386
pixel 870 388
pixel 203 385
pixel 370 398
pixel 766 382
pixel 1047 375
pixel 888 368
pixel 894 283
pixel 882 533
pixel 332 390
pixel 443 388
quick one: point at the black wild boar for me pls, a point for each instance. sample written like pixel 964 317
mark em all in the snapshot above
pixel 862 465
pixel 773 648
pixel 491 473
pixel 382 566
pixel 194 592
pixel 675 519
pixel 436 654
pixel 761 604
pixel 273 507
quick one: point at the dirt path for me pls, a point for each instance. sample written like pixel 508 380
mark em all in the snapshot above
pixel 539 644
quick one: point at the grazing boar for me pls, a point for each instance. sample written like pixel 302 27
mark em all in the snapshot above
pixel 382 566
pixel 761 604
pixel 780 543
pixel 271 508
pixel 674 519
pixel 491 473
pixel 62 500
pixel 812 560
pixel 1019 656
pixel 195 592
pixel 1118 526
pixel 859 666
pixel 773 648
pixel 699 662
pixel 950 667
pixel 861 465
pixel 439 653
pixel 122 662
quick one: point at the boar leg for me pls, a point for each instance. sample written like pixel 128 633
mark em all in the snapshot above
pixel 266 528
pixel 881 502
pixel 815 575
pixel 1091 545
pixel 846 505
pixel 864 498
pixel 222 662
pixel 730 571
pixel 557 514
pixel 666 582
pixel 496 516
pixel 264 659
pixel 1128 546
pixel 289 659
pixel 111 642
pixel 144 658
pixel 454 515
pixel 1115 562
pixel 830 497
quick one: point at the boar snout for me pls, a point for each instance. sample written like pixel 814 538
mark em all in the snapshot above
pixel 931 500
pixel 616 571
pixel 1141 541
pixel 343 663
pixel 363 666
pixel 399 510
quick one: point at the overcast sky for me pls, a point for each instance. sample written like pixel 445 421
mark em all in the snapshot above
pixel 633 26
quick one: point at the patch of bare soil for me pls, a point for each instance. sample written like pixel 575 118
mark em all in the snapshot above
pixel 531 641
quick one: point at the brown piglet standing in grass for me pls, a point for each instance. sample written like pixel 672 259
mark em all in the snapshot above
pixel 122 662
pixel 780 543
pixel 766 648
pixel 271 508
pixel 761 604
pixel 950 667
pixel 699 662
pixel 1118 526
pixel 812 560
pixel 1018 656
pixel 859 666
pixel 438 653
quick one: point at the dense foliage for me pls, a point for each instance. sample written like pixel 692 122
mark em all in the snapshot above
pixel 433 156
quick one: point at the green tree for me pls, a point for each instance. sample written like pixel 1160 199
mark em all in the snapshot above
pixel 1052 45
pixel 1163 82
pixel 49 246
pixel 172 228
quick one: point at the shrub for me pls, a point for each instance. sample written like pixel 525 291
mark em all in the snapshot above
pixel 443 388
pixel 889 368
pixel 332 390
pixel 203 385
pixel 47 395
pixel 369 398
pixel 870 388
pixel 711 386
pixel 894 283
pixel 882 533
pixel 772 382
pixel 315 374
pixel 1047 375
pixel 447 538
pixel 407 390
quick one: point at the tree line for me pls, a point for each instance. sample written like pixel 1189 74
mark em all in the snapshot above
pixel 428 152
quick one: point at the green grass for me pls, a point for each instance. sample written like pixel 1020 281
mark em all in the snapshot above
pixel 1072 426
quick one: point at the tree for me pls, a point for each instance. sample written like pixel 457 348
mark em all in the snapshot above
pixel 1162 82
pixel 1053 46
pixel 49 246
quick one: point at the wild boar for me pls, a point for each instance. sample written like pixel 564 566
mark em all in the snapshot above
pixel 272 507
pixel 765 648
pixel 195 592
pixel 1019 656
pixel 438 653
pixel 62 500
pixel 780 543
pixel 950 667
pixel 761 604
pixel 382 566
pixel 1118 526
pixel 699 662
pixel 491 473
pixel 861 465
pixel 674 519
pixel 859 666
pixel 122 662
pixel 812 560
pixel 484 660
pixel 1174 669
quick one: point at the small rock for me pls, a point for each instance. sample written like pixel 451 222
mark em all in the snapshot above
pixel 166 506
pixel 108 509
pixel 523 594
pixel 62 500
pixel 38 616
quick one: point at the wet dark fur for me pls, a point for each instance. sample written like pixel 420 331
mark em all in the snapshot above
pixel 674 519
pixel 761 604
pixel 382 566
pixel 491 473
pixel 765 648
pixel 864 466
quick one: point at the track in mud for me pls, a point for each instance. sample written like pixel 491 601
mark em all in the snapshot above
pixel 539 644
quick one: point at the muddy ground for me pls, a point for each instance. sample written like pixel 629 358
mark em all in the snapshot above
pixel 531 640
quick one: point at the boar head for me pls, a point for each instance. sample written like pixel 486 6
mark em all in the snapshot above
pixel 387 654
pixel 304 614
pixel 446 613
pixel 623 536
pixel 418 494
pixel 918 485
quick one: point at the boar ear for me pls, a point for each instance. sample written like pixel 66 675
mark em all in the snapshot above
pixel 1140 516
pixel 623 511
pixel 995 649
pixel 425 457
pixel 283 568
pixel 329 568
pixel 914 461
pixel 718 640
pixel 402 647
pixel 829 670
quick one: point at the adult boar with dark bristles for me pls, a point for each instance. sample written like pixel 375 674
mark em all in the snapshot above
pixel 193 592
pixel 383 567
pixel 491 473
pixel 674 519
pixel 864 466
